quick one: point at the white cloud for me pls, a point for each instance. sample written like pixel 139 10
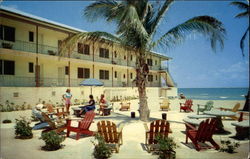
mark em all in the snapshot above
pixel 236 68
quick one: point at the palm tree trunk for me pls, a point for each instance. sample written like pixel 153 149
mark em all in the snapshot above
pixel 142 73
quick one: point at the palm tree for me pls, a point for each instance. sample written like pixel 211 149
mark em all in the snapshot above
pixel 245 14
pixel 137 23
pixel 244 6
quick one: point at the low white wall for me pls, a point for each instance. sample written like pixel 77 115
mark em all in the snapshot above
pixel 34 95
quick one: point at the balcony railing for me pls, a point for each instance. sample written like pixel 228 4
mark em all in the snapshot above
pixel 21 81
pixel 53 51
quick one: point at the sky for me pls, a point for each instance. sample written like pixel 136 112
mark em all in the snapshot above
pixel 194 63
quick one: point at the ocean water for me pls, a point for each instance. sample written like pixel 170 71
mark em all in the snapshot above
pixel 214 93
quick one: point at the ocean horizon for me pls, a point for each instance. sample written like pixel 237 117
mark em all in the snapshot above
pixel 214 93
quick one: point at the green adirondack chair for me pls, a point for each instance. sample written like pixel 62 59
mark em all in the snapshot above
pixel 207 107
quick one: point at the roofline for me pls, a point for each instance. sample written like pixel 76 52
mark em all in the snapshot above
pixel 53 23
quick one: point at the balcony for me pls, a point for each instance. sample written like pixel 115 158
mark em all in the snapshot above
pixel 53 51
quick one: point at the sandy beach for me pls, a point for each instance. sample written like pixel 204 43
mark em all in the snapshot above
pixel 133 136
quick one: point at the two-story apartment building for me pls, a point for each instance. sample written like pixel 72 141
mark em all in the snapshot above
pixel 29 56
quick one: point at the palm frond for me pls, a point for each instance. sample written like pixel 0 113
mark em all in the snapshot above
pixel 130 24
pixel 243 14
pixel 107 9
pixel 159 16
pixel 240 5
pixel 205 25
pixel 69 44
pixel 242 41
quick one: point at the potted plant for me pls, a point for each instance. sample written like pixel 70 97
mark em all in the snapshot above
pixel 101 149
pixel 228 146
pixel 52 140
pixel 166 147
pixel 23 129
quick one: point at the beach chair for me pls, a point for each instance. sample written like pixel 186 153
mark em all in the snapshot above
pixel 58 126
pixel 157 127
pixel 59 112
pixel 125 105
pixel 110 133
pixel 83 125
pixel 187 106
pixel 165 104
pixel 207 107
pixel 202 134
pixel 234 109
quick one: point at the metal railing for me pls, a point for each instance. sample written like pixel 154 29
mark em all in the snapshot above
pixel 21 81
pixel 53 51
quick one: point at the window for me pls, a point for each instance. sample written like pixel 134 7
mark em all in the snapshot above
pixel 83 49
pixel 7 67
pixel 86 49
pixel 31 67
pixel 80 48
pixel 150 62
pixel 156 77
pixel 150 78
pixel 104 74
pixel 115 54
pixel 31 36
pixel 66 70
pixel 131 58
pixel 125 57
pixel 104 53
pixel 83 72
pixel 115 74
pixel 131 75
pixel 156 62
pixel 7 33
pixel 124 76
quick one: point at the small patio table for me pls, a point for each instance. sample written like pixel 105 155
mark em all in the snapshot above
pixel 242 129
pixel 203 116
pixel 219 113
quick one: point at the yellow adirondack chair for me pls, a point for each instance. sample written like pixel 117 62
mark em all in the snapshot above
pixel 165 104
pixel 234 109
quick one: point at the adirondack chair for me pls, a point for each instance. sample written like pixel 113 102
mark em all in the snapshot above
pixel 157 127
pixel 187 106
pixel 83 125
pixel 202 134
pixel 58 127
pixel 165 104
pixel 207 107
pixel 234 109
pixel 110 133
pixel 124 105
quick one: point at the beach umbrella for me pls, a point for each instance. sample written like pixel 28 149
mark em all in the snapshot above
pixel 91 82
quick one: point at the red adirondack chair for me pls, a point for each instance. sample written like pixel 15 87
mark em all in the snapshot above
pixel 204 133
pixel 187 106
pixel 83 125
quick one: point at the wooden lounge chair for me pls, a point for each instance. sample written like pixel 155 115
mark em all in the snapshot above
pixel 207 107
pixel 202 134
pixel 124 105
pixel 187 106
pixel 58 127
pixel 110 133
pixel 165 105
pixel 59 112
pixel 234 109
pixel 157 127
pixel 83 125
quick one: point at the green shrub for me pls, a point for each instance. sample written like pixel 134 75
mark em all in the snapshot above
pixel 52 141
pixel 228 146
pixel 23 129
pixel 101 149
pixel 6 121
pixel 167 147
